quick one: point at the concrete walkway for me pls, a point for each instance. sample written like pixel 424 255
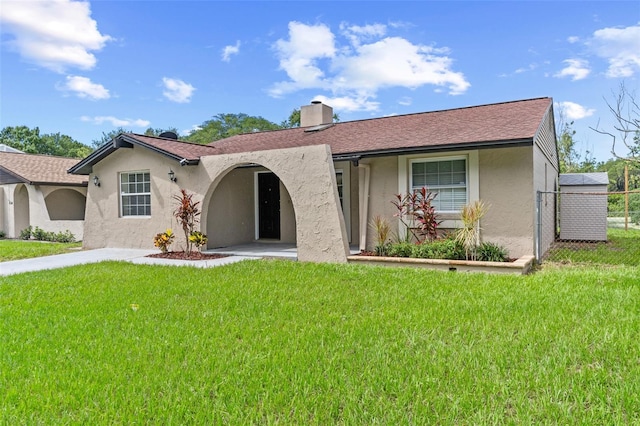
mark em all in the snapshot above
pixel 99 255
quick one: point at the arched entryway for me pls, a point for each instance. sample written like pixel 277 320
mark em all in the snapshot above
pixel 306 178
pixel 250 204
pixel 20 209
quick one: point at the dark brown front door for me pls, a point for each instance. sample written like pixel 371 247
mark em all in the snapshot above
pixel 268 206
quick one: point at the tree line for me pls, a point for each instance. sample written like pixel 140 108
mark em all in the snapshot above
pixel 31 141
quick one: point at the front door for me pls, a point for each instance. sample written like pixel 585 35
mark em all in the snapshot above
pixel 268 206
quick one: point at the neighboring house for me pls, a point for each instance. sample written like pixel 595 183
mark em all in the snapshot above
pixel 36 190
pixel 319 186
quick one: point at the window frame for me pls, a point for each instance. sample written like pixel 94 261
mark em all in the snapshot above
pixel 123 194
pixel 438 160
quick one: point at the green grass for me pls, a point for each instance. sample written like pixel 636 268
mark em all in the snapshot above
pixel 17 249
pixel 622 248
pixel 277 342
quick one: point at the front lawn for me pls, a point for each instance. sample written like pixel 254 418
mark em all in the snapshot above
pixel 279 342
pixel 18 249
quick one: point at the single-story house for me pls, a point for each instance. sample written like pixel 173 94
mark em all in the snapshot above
pixel 36 190
pixel 320 185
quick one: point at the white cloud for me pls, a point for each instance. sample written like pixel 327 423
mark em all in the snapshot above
pixel 357 70
pixel 177 90
pixel 574 111
pixel 349 104
pixel 85 88
pixel 57 34
pixel 230 50
pixel 577 69
pixel 358 34
pixel 405 101
pixel 573 39
pixel 620 47
pixel 116 122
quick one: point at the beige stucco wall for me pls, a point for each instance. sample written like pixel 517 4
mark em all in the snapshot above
pixel 506 181
pixel 502 177
pixel 231 210
pixel 24 205
pixel 306 173
pixel 383 186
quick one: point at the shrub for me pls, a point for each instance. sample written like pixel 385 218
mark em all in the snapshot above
pixel 439 249
pixel 198 239
pixel 2 234
pixel 404 249
pixel 163 240
pixel 186 213
pixel 417 214
pixel 64 237
pixel 491 252
pixel 25 234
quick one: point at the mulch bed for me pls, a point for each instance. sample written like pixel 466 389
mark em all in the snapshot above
pixel 181 255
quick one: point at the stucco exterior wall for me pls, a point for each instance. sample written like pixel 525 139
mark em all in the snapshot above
pixel 307 174
pixel 103 225
pixel 24 205
pixel 506 181
pixel 382 188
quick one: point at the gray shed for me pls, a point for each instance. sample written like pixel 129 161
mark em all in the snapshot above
pixel 583 206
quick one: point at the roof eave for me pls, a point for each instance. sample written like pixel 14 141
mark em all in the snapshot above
pixel 435 148
pixel 85 166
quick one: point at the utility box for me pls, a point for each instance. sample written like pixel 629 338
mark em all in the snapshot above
pixel 583 206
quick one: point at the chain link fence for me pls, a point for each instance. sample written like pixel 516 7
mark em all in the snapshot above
pixel 599 228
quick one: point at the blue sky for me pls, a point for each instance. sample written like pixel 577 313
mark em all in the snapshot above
pixel 83 68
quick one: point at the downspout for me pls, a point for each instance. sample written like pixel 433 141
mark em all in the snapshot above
pixel 364 175
pixel 537 245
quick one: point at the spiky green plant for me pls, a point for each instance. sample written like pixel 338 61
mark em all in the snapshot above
pixel 469 234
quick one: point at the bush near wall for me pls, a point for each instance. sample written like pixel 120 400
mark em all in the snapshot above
pixel 41 235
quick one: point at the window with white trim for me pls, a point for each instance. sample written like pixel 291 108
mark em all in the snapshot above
pixel 445 177
pixel 135 194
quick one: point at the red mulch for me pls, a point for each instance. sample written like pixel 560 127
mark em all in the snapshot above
pixel 181 255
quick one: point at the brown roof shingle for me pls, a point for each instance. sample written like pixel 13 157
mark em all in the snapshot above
pixel 503 122
pixel 40 169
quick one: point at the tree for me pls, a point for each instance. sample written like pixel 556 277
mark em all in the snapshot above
pixel 625 134
pixel 293 120
pixel 157 132
pixel 225 125
pixel 106 137
pixel 32 142
pixel 568 157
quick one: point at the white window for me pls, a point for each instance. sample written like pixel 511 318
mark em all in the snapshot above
pixel 135 194
pixel 445 177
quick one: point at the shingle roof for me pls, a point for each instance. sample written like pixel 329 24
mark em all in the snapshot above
pixel 40 169
pixel 486 125
pixel 509 122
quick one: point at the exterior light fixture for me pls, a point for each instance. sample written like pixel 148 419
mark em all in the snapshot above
pixel 96 180
pixel 172 176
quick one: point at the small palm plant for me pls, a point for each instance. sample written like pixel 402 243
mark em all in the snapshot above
pixel 382 228
pixel 469 234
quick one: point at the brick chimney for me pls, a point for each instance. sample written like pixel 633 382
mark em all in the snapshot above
pixel 315 114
